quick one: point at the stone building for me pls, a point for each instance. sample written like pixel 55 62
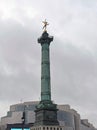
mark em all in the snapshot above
pixel 66 116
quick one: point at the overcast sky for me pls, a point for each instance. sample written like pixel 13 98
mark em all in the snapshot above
pixel 73 23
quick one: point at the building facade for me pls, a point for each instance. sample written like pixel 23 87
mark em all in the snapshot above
pixel 68 118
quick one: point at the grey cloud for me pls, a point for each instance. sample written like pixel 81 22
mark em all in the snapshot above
pixel 74 78
pixel 18 61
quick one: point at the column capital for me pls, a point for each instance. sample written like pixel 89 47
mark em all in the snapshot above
pixel 45 38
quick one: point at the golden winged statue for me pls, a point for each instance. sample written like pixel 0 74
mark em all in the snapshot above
pixel 45 25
